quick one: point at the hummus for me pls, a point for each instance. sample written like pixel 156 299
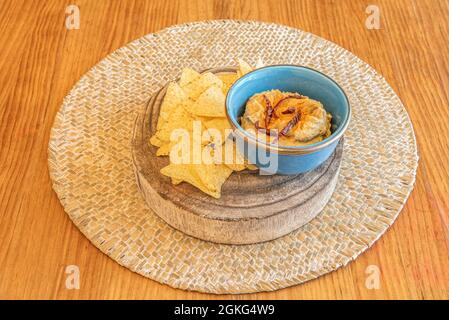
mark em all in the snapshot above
pixel 287 118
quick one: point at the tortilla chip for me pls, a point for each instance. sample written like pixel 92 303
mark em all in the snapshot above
pixel 173 99
pixel 251 167
pixel 244 68
pixel 211 103
pixel 191 173
pixel 155 141
pixel 259 63
pixel 164 150
pixel 228 80
pixel 176 181
pixel 238 163
pixel 172 115
pixel 188 75
pixel 184 172
pixel 221 124
pixel 201 84
pixel 213 176
pixel 178 119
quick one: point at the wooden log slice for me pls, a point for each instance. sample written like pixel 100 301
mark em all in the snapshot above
pixel 253 208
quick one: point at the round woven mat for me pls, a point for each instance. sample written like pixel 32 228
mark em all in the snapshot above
pixel 91 167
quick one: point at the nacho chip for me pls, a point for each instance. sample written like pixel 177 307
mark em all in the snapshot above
pixel 188 148
pixel 172 115
pixel 188 75
pixel 244 68
pixel 213 176
pixel 178 119
pixel 155 141
pixel 173 99
pixel 201 84
pixel 259 63
pixel 184 172
pixel 191 173
pixel 238 161
pixel 236 167
pixel 228 80
pixel 211 103
pixel 163 150
pixel 251 167
pixel 221 124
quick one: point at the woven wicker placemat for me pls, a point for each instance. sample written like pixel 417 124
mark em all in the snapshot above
pixel 91 167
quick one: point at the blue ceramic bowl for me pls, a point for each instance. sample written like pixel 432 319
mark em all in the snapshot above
pixel 280 159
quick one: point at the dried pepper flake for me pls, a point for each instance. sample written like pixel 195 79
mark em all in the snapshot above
pixel 291 124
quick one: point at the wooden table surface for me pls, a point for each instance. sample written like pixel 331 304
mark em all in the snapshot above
pixel 40 60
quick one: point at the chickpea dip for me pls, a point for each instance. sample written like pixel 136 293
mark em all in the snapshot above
pixel 286 118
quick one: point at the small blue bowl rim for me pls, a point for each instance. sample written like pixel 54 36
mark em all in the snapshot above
pixel 335 136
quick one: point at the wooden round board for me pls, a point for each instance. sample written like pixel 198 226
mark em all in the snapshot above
pixel 253 208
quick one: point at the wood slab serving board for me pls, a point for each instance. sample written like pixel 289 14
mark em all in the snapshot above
pixel 253 208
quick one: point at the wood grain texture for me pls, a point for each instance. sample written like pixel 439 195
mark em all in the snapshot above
pixel 41 60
